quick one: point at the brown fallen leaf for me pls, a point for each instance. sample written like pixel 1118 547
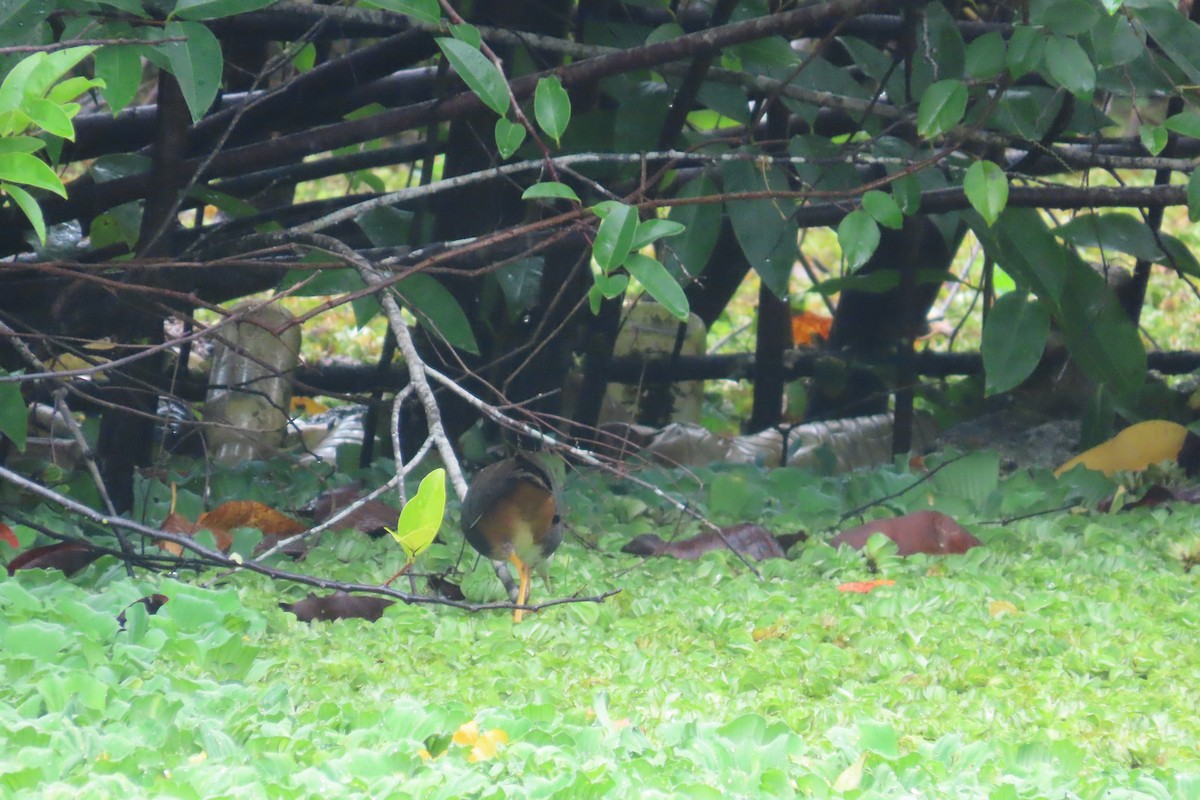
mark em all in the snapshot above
pixel 70 557
pixel 752 541
pixel 223 519
pixel 152 602
pixel 338 605
pixel 929 532
pixel 370 518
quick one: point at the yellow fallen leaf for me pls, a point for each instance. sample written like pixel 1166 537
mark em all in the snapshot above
pixel 467 734
pixel 487 745
pixel 998 608
pixel 1133 449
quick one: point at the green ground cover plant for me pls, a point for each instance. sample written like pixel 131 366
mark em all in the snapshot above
pixel 1057 661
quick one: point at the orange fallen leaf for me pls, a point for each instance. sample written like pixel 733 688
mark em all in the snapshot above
pixel 7 536
pixel 863 587
pixel 224 518
pixel 810 328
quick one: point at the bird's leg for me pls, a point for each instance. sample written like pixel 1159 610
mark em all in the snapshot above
pixel 523 591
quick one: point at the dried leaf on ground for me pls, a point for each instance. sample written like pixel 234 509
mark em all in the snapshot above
pixel 929 532
pixel 70 557
pixel 752 541
pixel 339 605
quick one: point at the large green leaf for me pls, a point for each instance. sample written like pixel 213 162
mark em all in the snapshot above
pixel 195 62
pixel 1124 233
pixel 51 68
pixel 1097 333
pixel 688 254
pixel 764 228
pixel 1070 66
pixel 480 74
pixel 1014 339
pixel 424 10
pixel 31 171
pixel 28 205
pixel 1178 37
pixel 213 9
pixel 654 277
pixel 941 108
pixel 614 237
pixel 437 311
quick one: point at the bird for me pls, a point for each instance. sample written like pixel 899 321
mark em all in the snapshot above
pixel 511 513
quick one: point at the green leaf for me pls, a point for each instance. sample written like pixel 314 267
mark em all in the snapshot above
pixel 520 282
pixel 196 64
pixel 21 144
pixel 654 277
pixel 1025 48
pixel 62 93
pixel 437 311
pixel 1178 37
pixel 985 56
pixel 386 226
pixel 941 108
pixel 1187 123
pixel 12 89
pixel 689 254
pixel 610 286
pixel 552 107
pixel 883 209
pixel 1070 66
pixel 1154 138
pixel 1124 233
pixel 1094 327
pixel 858 236
pixel 421 517
pixel 550 189
pixel 987 190
pixel 51 118
pixel 1193 196
pixel 509 136
pixel 14 417
pixel 614 238
pixel 29 206
pixel 765 229
pixel 214 9
pixel 468 33
pixel 1179 255
pixel 31 171
pixel 907 192
pixel 424 10
pixel 52 68
pixel 652 230
pixel 880 738
pixel 1014 338
pixel 480 74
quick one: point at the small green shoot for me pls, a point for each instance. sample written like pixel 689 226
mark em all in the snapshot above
pixel 421 517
